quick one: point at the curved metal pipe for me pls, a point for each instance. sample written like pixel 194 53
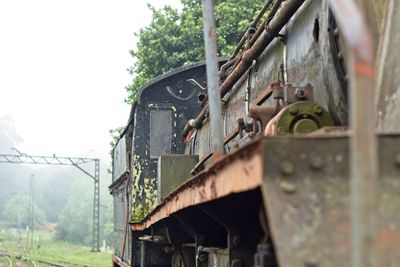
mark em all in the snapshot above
pixel 252 24
pixel 268 34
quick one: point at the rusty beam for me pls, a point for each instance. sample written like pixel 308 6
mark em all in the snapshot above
pixel 238 172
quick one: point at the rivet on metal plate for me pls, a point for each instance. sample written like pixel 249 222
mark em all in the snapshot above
pixel 311 262
pixel 287 168
pixel 316 163
pixel 288 187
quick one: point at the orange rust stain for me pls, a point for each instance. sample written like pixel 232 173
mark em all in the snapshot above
pixel 237 175
pixel 189 135
pixel 388 239
pixel 365 69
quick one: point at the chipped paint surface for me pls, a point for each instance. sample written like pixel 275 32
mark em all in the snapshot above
pixel 178 96
pixel 150 194
pixel 137 190
pixel 144 194
pixel 238 172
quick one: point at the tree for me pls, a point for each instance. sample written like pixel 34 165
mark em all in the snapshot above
pixel 175 38
pixel 115 135
pixel 16 211
pixel 75 220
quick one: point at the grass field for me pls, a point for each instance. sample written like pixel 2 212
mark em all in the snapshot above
pixel 48 249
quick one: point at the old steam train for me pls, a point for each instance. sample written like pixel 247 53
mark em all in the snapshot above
pixel 304 181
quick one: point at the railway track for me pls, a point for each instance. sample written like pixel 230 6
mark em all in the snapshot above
pixel 5 259
pixel 8 260
pixel 21 261
pixel 26 262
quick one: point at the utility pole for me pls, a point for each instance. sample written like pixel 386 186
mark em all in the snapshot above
pixel 32 207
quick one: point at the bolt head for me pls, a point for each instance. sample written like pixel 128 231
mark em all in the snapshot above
pixel 311 262
pixel 287 168
pixel 300 93
pixel 316 163
pixel 287 187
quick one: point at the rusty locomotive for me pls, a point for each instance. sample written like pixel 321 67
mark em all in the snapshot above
pixel 298 183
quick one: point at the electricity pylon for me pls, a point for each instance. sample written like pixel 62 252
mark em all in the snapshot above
pixel 23 158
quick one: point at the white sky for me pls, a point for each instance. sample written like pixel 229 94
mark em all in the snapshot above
pixel 63 71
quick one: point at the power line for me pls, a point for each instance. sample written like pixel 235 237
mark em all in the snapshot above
pixel 23 158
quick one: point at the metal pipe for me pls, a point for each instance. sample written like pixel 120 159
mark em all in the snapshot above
pixel 214 95
pixel 364 182
pixel 262 42
pixel 270 16
pixel 272 31
pixel 252 24
pixel 254 36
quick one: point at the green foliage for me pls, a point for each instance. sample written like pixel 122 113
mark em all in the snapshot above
pixel 108 221
pixel 175 38
pixel 75 220
pixel 114 134
pixel 16 211
pixel 48 249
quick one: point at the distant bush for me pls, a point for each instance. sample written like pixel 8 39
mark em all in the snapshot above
pixel 16 212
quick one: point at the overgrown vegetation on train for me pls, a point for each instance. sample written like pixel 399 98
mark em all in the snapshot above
pixel 175 37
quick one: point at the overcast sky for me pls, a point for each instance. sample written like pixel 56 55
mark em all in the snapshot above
pixel 63 71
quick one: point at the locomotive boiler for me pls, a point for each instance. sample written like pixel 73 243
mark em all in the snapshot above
pixel 304 179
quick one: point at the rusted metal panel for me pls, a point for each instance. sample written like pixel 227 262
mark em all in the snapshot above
pixel 272 30
pixel 238 172
pixel 306 194
pixel 388 70
pixel 388 232
pixel 309 58
pixel 305 54
pixel 307 198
